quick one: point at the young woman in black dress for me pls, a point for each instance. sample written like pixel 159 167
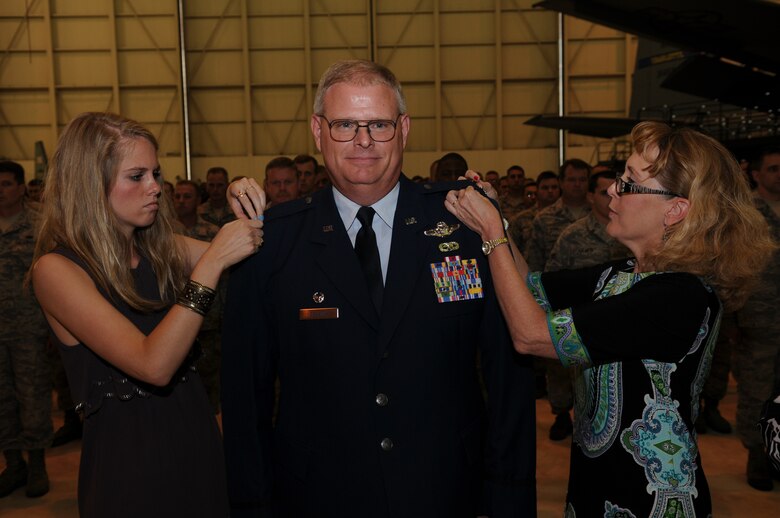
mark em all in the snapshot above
pixel 124 297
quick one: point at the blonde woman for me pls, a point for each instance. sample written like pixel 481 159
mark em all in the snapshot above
pixel 640 333
pixel 124 298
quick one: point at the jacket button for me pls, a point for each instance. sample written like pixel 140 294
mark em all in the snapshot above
pixel 386 444
pixel 381 400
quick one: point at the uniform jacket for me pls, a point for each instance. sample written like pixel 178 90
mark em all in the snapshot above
pixel 378 416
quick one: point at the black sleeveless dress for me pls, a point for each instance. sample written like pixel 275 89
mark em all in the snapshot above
pixel 147 451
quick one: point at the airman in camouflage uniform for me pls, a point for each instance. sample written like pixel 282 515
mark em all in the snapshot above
pixel 513 201
pixel 550 222
pixel 757 355
pixel 585 243
pixel 547 193
pixel 216 209
pixel 193 225
pixel 521 226
pixel 25 385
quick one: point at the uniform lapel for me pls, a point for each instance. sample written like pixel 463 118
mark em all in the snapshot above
pixel 407 255
pixel 335 256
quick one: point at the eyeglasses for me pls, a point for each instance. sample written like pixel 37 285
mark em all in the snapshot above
pixel 623 187
pixel 345 130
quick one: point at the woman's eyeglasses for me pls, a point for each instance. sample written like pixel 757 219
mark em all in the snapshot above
pixel 623 187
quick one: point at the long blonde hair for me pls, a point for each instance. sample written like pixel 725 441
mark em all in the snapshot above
pixel 723 238
pixel 77 215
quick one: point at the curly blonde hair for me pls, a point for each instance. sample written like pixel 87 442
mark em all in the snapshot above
pixel 77 214
pixel 723 239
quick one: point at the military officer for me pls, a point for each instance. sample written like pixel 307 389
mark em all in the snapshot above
pixel 369 301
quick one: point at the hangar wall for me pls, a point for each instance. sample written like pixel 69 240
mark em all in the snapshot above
pixel 473 71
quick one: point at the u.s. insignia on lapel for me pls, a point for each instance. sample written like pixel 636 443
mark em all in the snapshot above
pixel 456 279
pixel 327 228
pixel 442 229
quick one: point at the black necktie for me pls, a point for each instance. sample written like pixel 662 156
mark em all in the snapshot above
pixel 368 255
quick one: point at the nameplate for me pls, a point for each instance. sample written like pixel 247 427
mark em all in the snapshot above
pixel 318 313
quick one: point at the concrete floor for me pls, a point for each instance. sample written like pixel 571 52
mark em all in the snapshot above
pixel 723 458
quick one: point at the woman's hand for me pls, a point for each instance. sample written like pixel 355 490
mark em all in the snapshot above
pixel 235 241
pixel 246 198
pixel 482 184
pixel 476 212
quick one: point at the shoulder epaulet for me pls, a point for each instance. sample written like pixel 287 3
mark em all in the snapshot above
pixel 445 187
pixel 290 208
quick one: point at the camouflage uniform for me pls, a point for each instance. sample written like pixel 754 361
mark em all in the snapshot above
pixel 547 226
pixel 25 386
pixel 583 243
pixel 216 216
pixel 208 364
pixel 511 206
pixel 202 230
pixel 521 225
pixel 757 355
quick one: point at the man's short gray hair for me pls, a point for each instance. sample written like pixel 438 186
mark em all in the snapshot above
pixel 357 72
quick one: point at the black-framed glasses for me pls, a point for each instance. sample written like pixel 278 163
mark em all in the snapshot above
pixel 345 130
pixel 623 187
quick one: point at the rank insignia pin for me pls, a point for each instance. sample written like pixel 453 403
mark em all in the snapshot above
pixel 442 229
pixel 318 297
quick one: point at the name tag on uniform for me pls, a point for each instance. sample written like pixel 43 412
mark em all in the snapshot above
pixel 318 313
pixel 456 279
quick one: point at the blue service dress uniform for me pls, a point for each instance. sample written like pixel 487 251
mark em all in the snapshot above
pixel 380 415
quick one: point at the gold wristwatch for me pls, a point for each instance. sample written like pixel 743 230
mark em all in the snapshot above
pixel 490 245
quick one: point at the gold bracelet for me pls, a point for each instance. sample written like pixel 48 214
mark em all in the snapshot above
pixel 196 297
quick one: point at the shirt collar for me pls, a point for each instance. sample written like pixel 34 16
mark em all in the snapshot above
pixel 385 208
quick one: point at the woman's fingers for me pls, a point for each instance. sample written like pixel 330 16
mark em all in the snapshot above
pixel 247 199
pixel 255 195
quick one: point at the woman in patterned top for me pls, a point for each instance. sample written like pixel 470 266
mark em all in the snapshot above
pixel 640 332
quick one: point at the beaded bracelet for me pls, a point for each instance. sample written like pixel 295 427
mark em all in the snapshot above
pixel 196 297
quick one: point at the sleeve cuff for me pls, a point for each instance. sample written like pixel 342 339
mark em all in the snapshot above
pixel 567 342
pixel 535 286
